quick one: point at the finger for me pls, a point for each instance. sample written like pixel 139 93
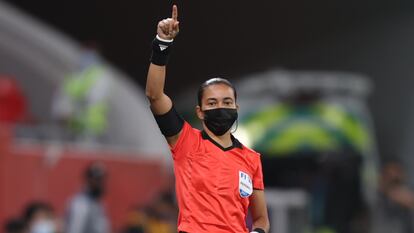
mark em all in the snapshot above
pixel 170 24
pixel 165 27
pixel 161 25
pixel 176 26
pixel 175 13
pixel 170 27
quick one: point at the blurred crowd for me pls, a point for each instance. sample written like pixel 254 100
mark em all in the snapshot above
pixel 79 107
pixel 85 212
pixel 79 110
pixel 394 210
pixel 337 205
pixel 13 103
pixel 336 202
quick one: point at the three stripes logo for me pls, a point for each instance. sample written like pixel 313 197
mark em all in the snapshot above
pixel 163 47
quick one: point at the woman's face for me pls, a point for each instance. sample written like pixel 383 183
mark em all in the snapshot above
pixel 218 110
pixel 43 221
pixel 218 96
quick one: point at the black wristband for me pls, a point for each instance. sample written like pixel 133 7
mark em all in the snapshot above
pixel 160 52
pixel 259 230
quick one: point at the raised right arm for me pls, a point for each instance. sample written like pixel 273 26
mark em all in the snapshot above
pixel 161 104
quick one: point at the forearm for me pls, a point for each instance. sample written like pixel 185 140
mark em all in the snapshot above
pixel 261 223
pixel 167 29
pixel 155 82
pixel 258 210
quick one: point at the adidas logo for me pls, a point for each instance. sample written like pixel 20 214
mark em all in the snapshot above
pixel 163 47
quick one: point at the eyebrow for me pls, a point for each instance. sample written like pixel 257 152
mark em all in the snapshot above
pixel 215 99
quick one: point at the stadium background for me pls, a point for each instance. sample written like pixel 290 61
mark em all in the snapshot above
pixel 238 39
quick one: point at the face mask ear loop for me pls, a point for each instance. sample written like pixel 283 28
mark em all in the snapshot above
pixel 237 126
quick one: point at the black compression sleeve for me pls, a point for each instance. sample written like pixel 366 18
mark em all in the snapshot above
pixel 170 123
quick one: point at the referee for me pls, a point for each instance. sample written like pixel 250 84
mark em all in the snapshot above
pixel 217 178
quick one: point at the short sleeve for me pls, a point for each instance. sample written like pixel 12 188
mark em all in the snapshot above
pixel 258 175
pixel 186 141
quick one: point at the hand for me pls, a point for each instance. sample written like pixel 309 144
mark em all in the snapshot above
pixel 402 196
pixel 168 28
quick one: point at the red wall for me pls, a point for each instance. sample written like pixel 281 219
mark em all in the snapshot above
pixel 34 172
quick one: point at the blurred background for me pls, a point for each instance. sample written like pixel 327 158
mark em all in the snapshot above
pixel 324 94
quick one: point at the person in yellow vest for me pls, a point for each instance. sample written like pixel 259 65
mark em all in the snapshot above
pixel 82 101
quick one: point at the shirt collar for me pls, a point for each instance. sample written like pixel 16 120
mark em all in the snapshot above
pixel 236 143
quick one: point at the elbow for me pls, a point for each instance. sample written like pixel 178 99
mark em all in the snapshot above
pixel 151 96
pixel 267 225
pixel 262 223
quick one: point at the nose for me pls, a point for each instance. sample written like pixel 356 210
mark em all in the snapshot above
pixel 221 105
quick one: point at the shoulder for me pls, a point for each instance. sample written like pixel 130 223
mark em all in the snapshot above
pixel 253 156
pixel 189 131
pixel 244 149
pixel 188 137
pixel 251 151
pixel 188 125
pixel 80 199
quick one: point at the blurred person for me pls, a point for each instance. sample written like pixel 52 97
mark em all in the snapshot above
pixel 166 207
pixel 394 211
pixel 162 214
pixel 158 224
pixel 39 217
pixel 217 178
pixel 85 213
pixel 15 225
pixel 81 103
pixel 136 221
pixel 13 106
pixel 159 217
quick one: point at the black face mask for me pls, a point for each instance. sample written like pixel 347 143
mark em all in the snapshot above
pixel 96 192
pixel 220 120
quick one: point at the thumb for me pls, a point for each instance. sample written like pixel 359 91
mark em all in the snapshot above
pixel 176 25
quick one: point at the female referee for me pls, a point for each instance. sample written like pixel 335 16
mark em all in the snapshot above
pixel 217 178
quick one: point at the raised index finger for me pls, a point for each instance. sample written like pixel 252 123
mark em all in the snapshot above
pixel 175 13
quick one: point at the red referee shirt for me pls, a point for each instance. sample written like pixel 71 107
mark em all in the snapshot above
pixel 213 183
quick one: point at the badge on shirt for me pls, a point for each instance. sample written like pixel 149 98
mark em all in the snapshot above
pixel 245 184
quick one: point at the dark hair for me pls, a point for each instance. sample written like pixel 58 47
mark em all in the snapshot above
pixel 213 81
pixel 14 225
pixel 35 207
pixel 95 170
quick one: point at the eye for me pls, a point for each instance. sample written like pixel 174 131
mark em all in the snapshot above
pixel 211 103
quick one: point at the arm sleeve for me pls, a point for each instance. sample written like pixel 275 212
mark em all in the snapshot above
pixel 258 175
pixel 186 143
pixel 170 123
